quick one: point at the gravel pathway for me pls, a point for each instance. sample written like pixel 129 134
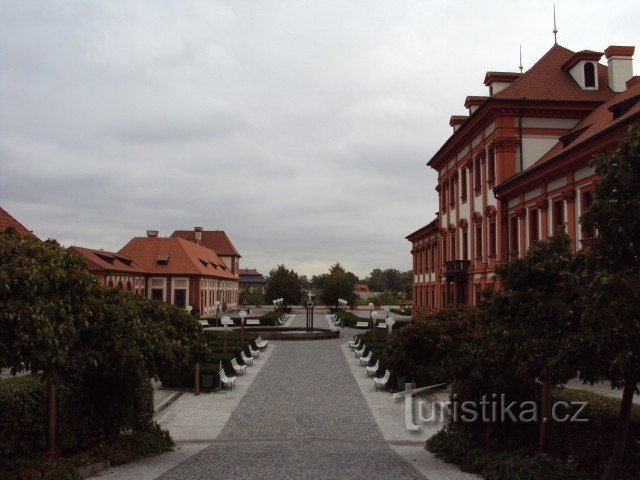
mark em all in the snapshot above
pixel 303 417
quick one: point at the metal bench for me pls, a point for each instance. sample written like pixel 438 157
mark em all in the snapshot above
pixel 373 369
pixel 239 369
pixel 353 344
pixel 262 344
pixel 381 382
pixel 225 380
pixel 364 361
pixel 360 352
pixel 382 325
pixel 246 359
pixel 254 353
pixel 362 325
pixel 252 321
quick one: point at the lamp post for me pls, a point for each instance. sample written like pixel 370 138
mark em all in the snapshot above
pixel 390 322
pixel 216 305
pixel 386 309
pixel 373 325
pixel 243 315
pixel 225 321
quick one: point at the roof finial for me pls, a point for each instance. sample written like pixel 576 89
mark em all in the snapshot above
pixel 555 29
pixel 520 66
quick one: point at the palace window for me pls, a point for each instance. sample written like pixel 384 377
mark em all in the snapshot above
pixel 492 238
pixel 479 241
pixel 587 199
pixel 463 184
pixel 491 166
pixel 558 216
pixel 465 245
pixel 533 226
pixel 477 173
pixel 513 234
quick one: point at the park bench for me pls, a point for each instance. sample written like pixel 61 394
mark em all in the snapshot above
pixel 225 380
pixel 373 369
pixel 381 382
pixel 262 344
pixel 362 325
pixel 355 343
pixel 282 320
pixel 246 359
pixel 364 361
pixel 360 352
pixel 239 369
pixel 382 325
pixel 252 321
pixel 254 353
pixel 204 322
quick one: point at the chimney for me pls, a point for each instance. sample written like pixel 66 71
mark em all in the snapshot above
pixel 620 60
pixel 152 233
pixel 198 234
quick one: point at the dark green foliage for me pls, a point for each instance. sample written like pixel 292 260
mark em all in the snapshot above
pixel 577 450
pixel 338 284
pixel 284 283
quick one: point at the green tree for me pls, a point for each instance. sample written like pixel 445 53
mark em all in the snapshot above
pixel 338 284
pixel 44 309
pixel 318 281
pixel 377 281
pixel 539 307
pixel 284 283
pixel 611 325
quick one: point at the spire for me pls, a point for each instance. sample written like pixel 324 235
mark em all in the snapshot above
pixel 555 29
pixel 520 66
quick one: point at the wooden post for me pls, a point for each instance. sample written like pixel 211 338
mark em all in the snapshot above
pixel 197 379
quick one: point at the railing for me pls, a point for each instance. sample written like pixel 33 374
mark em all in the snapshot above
pixel 454 267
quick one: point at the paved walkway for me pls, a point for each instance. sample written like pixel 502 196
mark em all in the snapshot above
pixel 303 415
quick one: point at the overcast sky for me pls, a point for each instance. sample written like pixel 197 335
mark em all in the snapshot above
pixel 301 128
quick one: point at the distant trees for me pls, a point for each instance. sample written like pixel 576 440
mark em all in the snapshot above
pixel 338 283
pixel 284 283
pixel 390 279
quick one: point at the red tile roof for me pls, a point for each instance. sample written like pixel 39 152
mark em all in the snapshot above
pixel 599 121
pixel 249 271
pixel 216 240
pixel 361 288
pixel 176 256
pixel 7 221
pixel 546 80
pixel 108 262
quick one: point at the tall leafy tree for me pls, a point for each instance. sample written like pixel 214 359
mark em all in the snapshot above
pixel 338 284
pixel 284 283
pixel 44 309
pixel 539 307
pixel 611 325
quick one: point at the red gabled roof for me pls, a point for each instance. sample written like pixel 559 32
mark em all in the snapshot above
pixel 428 229
pixel 598 122
pixel 7 221
pixel 249 271
pixel 175 256
pixel 547 81
pixel 102 261
pixel 216 240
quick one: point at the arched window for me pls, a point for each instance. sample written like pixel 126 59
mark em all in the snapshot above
pixel 589 75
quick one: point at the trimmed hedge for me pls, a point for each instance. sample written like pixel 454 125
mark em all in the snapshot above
pixel 576 450
pixel 83 415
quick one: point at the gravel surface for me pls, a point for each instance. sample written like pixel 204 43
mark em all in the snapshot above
pixel 303 417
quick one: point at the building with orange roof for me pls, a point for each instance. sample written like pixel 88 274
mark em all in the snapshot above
pixel 114 270
pixel 183 273
pixel 251 279
pixel 7 222
pixel 216 240
pixel 516 168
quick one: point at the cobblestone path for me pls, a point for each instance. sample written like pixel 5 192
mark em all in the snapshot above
pixel 302 418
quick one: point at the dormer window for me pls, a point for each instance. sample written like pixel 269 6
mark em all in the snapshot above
pixel 582 66
pixel 589 75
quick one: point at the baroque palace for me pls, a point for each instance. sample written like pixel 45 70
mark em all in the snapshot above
pixel 516 168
